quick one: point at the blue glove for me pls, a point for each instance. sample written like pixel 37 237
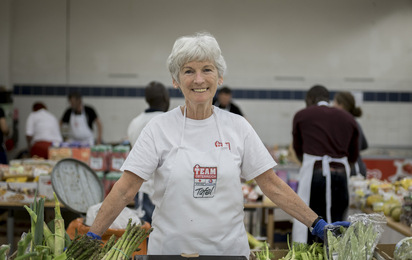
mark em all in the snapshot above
pixel 94 236
pixel 318 230
pixel 341 223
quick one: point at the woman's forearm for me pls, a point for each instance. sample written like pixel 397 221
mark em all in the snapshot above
pixel 121 194
pixel 285 198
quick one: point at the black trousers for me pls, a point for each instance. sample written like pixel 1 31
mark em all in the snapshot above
pixel 340 197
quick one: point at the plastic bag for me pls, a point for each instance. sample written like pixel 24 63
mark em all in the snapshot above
pixel 119 223
pixel 403 249
pixel 358 240
pixel 332 238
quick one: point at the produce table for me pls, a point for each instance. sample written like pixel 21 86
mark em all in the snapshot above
pixel 266 204
pixel 397 226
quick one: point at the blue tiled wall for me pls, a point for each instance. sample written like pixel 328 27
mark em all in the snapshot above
pixel 97 91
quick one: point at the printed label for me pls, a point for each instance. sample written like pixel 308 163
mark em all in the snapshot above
pixel 96 163
pixel 117 163
pixel 205 180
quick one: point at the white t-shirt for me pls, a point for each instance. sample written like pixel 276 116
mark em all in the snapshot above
pixel 138 123
pixel 133 132
pixel 164 133
pixel 43 126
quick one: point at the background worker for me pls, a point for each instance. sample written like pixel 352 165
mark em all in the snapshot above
pixel 224 101
pixel 80 119
pixel 346 101
pixel 325 139
pixel 157 97
pixel 42 129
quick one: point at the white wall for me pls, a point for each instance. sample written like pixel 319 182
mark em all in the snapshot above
pixel 345 45
pixel 38 42
pixel 5 43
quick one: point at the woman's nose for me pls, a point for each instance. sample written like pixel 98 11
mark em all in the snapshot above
pixel 199 78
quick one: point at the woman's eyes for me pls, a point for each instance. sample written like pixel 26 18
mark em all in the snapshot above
pixel 191 71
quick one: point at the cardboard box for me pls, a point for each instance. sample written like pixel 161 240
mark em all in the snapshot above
pixel 81 154
pixel 384 251
pixel 22 192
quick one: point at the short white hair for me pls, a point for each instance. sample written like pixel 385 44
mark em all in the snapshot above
pixel 199 47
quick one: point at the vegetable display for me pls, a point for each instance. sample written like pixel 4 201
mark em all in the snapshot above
pixel 358 241
pixel 403 249
pixel 303 251
pixel 85 248
pixel 265 254
pixel 51 242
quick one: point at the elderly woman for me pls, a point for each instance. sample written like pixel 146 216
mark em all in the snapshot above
pixel 198 154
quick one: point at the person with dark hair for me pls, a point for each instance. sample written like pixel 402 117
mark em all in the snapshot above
pixel 42 129
pixel 346 101
pixel 224 101
pixel 4 131
pixel 80 119
pixel 325 140
pixel 157 97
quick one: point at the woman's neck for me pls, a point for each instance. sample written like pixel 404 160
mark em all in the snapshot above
pixel 198 112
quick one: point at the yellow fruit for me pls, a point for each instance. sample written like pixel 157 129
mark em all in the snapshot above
pixel 385 187
pixel 373 198
pixel 396 213
pixel 374 188
pixel 387 209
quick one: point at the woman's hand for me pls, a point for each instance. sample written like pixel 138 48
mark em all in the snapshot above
pixel 319 230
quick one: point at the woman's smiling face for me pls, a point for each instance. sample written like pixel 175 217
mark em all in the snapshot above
pixel 199 81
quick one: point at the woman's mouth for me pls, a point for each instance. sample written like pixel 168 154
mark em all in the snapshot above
pixel 200 90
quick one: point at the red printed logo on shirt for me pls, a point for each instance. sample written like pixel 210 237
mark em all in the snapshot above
pixel 205 180
pixel 219 144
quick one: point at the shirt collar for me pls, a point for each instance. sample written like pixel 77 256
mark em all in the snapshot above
pixel 323 103
pixel 149 110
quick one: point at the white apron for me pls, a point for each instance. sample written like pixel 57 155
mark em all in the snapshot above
pixel 299 230
pixel 79 129
pixel 202 208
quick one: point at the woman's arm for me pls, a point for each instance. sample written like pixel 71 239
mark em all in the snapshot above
pixel 285 198
pixel 122 193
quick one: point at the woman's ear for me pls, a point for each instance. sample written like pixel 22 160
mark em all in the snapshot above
pixel 220 81
pixel 175 84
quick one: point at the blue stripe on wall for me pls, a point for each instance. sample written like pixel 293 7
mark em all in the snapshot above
pixel 97 91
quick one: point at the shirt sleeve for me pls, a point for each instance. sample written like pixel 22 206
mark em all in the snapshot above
pixel 30 125
pixel 297 137
pixel 363 144
pixel 92 114
pixel 256 158
pixel 354 145
pixel 66 116
pixel 143 158
pixel 1 113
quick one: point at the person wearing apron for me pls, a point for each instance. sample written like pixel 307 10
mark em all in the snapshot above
pixel 346 101
pixel 198 154
pixel 326 137
pixel 80 119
